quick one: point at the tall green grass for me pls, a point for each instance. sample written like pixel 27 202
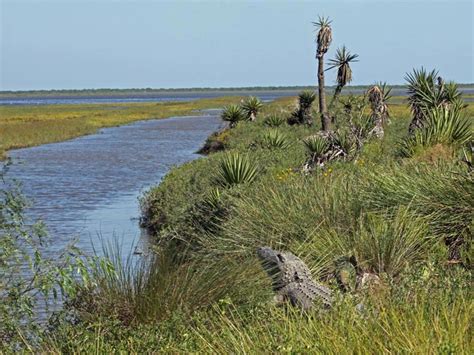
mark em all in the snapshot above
pixel 205 291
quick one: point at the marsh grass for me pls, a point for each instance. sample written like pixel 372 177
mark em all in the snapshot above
pixel 204 290
pixel 26 126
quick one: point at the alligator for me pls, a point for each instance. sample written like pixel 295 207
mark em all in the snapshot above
pixel 291 279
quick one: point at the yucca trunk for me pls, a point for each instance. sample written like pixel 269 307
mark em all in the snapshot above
pixel 325 119
pixel 417 121
pixel 379 110
pixel 335 97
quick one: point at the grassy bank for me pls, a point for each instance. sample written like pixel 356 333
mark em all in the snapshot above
pixel 26 126
pixel 205 291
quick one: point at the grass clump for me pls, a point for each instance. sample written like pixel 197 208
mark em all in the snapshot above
pixel 441 126
pixel 235 169
pixel 274 139
pixel 274 121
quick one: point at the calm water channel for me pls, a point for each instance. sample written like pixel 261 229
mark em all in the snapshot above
pixel 89 187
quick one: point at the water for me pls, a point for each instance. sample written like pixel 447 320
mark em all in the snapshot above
pixel 264 95
pixel 90 186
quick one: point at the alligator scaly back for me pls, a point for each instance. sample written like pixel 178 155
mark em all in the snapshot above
pixel 291 279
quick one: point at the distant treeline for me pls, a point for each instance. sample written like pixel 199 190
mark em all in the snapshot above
pixel 151 91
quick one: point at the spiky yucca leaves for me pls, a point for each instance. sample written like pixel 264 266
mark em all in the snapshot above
pixel 251 107
pixel 306 99
pixel 323 40
pixel 324 37
pixel 317 148
pixel 427 91
pixel 344 72
pixel 441 126
pixel 235 169
pixel 344 142
pixel 274 121
pixel 327 146
pixel 233 114
pixel 302 115
pixel 378 96
pixel 274 139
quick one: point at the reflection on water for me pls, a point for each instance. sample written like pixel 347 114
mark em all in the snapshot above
pixel 89 186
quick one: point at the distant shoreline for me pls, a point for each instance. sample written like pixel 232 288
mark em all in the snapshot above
pixel 150 92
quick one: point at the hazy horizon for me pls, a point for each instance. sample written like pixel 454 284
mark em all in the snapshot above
pixel 85 45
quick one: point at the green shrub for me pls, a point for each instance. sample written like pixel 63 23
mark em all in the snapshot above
pixel 236 169
pixel 381 244
pixel 441 126
pixel 302 115
pixel 274 121
pixel 317 148
pixel 29 279
pixel 233 114
pixel 274 139
pixel 251 107
pixel 440 194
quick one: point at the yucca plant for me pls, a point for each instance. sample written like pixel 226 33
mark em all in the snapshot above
pixel 233 114
pixel 274 139
pixel 274 121
pixel 442 126
pixel 342 62
pixel 378 96
pixel 251 107
pixel 302 115
pixel 345 142
pixel 323 40
pixel 317 147
pixel 235 169
pixel 427 91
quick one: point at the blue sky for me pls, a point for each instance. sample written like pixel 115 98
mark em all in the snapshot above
pixel 72 44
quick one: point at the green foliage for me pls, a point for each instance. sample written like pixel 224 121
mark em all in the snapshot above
pixel 442 195
pixel 324 37
pixel 251 107
pixel 236 169
pixel 426 92
pixel 385 246
pixel 28 279
pixel 342 62
pixel 306 99
pixel 274 121
pixel 233 114
pixel 317 146
pixel 274 139
pixel 32 125
pixel 204 291
pixel 441 126
pixel 302 115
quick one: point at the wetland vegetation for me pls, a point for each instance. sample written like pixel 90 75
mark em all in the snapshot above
pixel 26 126
pixel 374 194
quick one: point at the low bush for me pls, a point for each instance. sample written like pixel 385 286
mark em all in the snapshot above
pixel 274 139
pixel 235 169
pixel 274 121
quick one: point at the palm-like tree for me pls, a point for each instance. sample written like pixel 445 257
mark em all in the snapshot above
pixel 378 96
pixel 233 114
pixel 323 41
pixel 342 62
pixel 251 106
